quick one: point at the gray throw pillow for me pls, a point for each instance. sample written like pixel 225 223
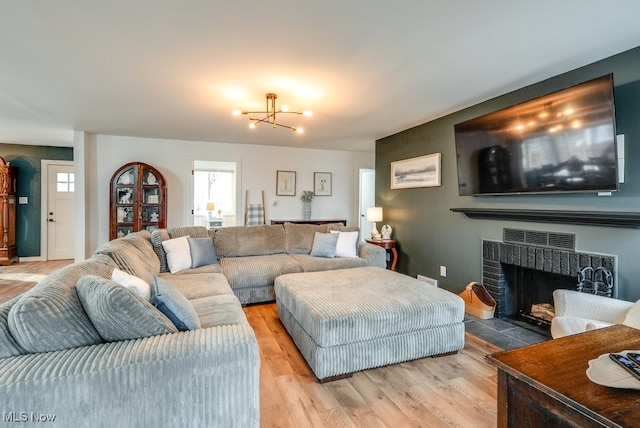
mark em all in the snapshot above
pixel 171 302
pixel 118 313
pixel 324 245
pixel 202 252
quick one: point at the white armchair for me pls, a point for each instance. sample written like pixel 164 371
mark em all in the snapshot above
pixel 576 312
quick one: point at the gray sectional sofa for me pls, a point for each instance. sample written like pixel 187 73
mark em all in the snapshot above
pixel 252 257
pixel 56 364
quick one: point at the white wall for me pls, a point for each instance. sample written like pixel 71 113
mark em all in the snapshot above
pixel 258 166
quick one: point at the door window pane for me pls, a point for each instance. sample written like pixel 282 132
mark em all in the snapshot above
pixel 65 182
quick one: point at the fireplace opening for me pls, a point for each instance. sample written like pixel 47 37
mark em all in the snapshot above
pixel 521 278
pixel 530 296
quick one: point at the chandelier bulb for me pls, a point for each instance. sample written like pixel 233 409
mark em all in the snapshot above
pixel 270 114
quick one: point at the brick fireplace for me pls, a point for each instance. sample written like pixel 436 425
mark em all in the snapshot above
pixel 505 265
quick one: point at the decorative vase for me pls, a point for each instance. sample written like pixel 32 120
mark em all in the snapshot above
pixel 306 210
pixel 386 231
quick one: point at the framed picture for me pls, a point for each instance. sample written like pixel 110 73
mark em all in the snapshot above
pixel 322 183
pixel 285 183
pixel 422 171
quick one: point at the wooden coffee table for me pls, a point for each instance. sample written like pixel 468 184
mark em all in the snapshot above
pixel 546 384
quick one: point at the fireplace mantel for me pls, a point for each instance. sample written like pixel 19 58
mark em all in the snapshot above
pixel 591 218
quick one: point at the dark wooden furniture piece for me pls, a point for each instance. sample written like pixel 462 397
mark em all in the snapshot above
pixel 389 245
pixel 546 384
pixel 8 249
pixel 344 222
pixel 138 200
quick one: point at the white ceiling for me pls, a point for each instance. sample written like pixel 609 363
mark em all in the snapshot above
pixel 368 69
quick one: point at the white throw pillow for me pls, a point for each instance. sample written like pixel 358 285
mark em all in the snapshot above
pixel 135 284
pixel 632 319
pixel 178 253
pixel 347 244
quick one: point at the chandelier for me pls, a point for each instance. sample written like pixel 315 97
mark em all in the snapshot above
pixel 270 114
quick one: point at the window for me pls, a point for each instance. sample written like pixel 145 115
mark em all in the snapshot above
pixel 65 182
pixel 214 191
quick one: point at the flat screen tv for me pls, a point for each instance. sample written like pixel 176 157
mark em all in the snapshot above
pixel 561 142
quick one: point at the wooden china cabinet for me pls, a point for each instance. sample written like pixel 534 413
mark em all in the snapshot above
pixel 8 249
pixel 138 200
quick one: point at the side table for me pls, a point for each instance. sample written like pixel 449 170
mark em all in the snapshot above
pixel 387 244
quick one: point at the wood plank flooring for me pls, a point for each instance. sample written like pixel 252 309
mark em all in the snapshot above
pixel 456 390
pixel 19 277
pixel 453 391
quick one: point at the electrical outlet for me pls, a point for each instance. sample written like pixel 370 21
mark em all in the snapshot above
pixel 443 271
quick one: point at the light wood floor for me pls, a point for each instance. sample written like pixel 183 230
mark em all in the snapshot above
pixel 19 277
pixel 456 390
pixel 453 391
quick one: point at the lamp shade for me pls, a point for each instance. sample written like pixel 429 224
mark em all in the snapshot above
pixel 374 214
pixel 210 206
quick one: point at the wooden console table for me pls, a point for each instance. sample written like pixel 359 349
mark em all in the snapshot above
pixel 546 384
pixel 344 222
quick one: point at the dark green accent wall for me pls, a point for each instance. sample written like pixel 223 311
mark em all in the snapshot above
pixel 430 236
pixel 27 159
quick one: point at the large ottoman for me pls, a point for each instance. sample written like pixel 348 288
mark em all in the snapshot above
pixel 347 320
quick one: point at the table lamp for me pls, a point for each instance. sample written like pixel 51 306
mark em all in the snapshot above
pixel 374 214
pixel 210 208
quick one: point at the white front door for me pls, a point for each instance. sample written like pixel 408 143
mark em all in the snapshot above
pixel 60 211
pixel 367 199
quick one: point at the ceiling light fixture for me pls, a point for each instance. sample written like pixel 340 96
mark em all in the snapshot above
pixel 270 114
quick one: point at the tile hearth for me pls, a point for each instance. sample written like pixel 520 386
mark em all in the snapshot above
pixel 502 333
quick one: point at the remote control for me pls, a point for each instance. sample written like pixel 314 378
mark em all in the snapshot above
pixel 627 364
pixel 634 357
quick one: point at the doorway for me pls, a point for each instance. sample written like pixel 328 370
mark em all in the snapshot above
pixel 367 190
pixel 57 206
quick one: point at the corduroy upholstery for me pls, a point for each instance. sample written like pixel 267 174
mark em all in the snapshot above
pixel 353 319
pixel 50 317
pixel 251 257
pixel 315 264
pixel 206 377
pixel 159 235
pixel 200 378
pixel 133 254
pixel 118 313
pixel 8 345
pixel 240 241
pixel 255 271
pixel 299 237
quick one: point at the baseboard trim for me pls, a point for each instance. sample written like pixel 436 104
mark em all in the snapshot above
pixel 31 259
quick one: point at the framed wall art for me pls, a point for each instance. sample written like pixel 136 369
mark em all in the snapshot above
pixel 322 183
pixel 285 183
pixel 421 171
